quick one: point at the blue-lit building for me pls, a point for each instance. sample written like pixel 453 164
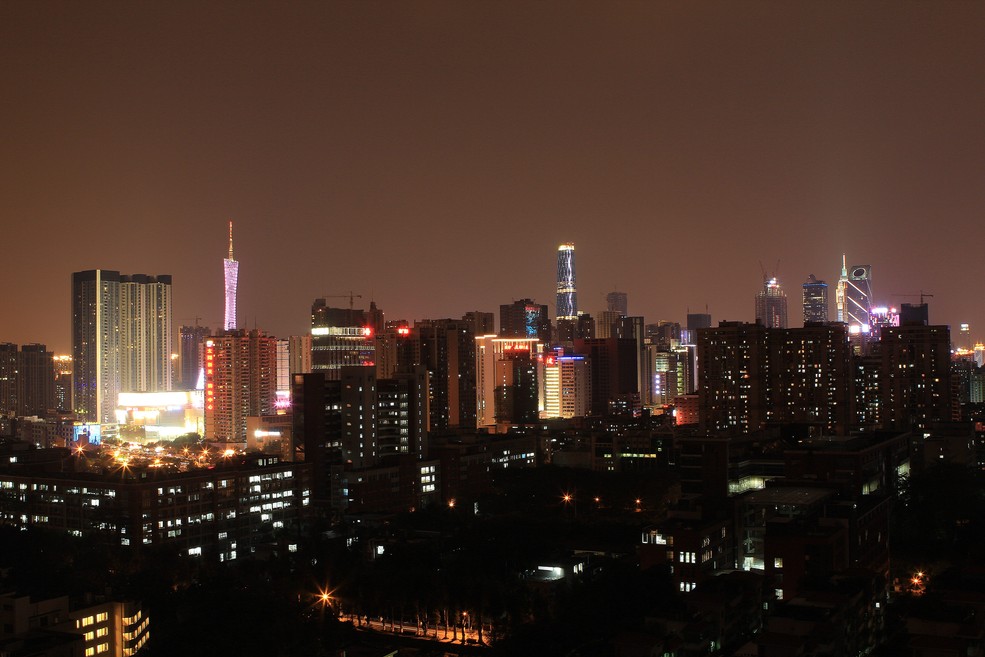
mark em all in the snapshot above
pixel 815 300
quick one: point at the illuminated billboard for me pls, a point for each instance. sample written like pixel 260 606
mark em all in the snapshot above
pixel 87 432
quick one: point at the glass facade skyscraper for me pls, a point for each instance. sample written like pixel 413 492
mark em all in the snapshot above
pixel 815 300
pixel 858 295
pixel 567 297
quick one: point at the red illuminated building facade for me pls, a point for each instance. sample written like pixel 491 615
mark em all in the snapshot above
pixel 240 381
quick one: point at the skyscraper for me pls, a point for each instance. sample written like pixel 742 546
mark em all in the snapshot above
pixel 771 304
pixel 35 380
pixel 858 295
pixel 567 297
pixel 617 302
pixel 121 338
pixel 240 381
pixel 230 270
pixel 524 319
pixel 145 333
pixel 191 350
pixel 815 300
pixel 96 343
pixel 340 337
pixel 840 291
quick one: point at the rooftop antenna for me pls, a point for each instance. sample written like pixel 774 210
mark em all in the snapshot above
pixel 231 240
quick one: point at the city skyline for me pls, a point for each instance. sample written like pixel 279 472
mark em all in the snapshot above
pixel 364 147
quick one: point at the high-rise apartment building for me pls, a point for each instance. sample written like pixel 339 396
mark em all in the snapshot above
pixel 8 378
pixel 915 376
pixel 446 348
pixel 815 300
pixel 771 304
pixel 299 353
pixel 145 333
pixel 230 271
pixel 567 386
pixel 121 339
pixel 240 381
pixel 518 386
pixel 483 323
pixel 751 376
pixel 63 383
pixel 489 351
pixel 35 380
pixel 567 296
pixel 858 296
pixel 96 343
pixel 340 337
pixel 191 354
pixel 617 302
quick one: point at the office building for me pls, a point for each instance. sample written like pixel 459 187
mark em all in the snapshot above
pixel 567 296
pixel 840 291
pixel 858 296
pixel 697 321
pixel 340 337
pixel 815 300
pixel 771 305
pixel 240 381
pixel 524 319
pixel 613 372
pixel 191 354
pixel 617 302
pixel 230 270
pixel 914 313
pixel 604 323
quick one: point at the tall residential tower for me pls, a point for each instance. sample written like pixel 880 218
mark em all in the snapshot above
pixel 567 297
pixel 121 338
pixel 230 270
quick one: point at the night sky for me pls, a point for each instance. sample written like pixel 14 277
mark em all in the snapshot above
pixel 431 155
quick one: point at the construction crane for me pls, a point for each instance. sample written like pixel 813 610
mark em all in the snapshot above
pixel 351 297
pixel 923 295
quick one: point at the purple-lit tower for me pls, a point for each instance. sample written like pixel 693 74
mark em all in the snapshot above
pixel 230 269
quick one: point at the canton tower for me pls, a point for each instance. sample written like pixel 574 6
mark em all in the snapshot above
pixel 567 297
pixel 230 269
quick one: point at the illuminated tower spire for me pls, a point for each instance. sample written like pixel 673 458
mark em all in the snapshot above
pixel 231 271
pixel 567 297
pixel 840 289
